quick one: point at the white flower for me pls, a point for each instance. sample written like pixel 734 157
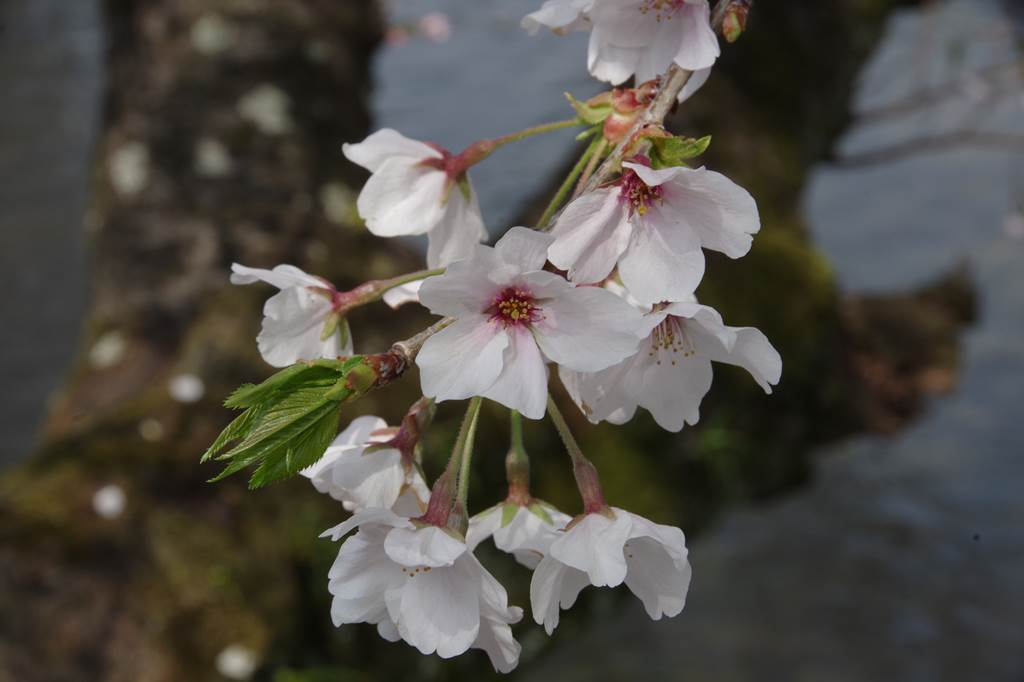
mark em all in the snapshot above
pixel 421 584
pixel 642 38
pixel 410 192
pixel 636 38
pixel 653 223
pixel 512 317
pixel 525 531
pixel 362 476
pixel 606 551
pixel 672 372
pixel 300 322
pixel 560 16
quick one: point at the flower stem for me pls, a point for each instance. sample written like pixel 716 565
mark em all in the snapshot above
pixel 582 468
pixel 595 158
pixel 383 286
pixel 464 450
pixel 535 130
pixel 567 185
pixel 517 464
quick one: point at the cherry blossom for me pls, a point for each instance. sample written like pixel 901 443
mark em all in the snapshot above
pixel 652 224
pixel 415 189
pixel 672 372
pixel 300 322
pixel 608 548
pixel 422 584
pixel 511 318
pixel 361 471
pixel 636 38
pixel 524 530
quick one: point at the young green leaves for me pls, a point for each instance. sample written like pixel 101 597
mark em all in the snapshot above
pixel 667 152
pixel 291 418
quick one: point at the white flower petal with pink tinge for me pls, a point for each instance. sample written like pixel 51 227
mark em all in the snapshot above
pixel 295 318
pixel 672 372
pixel 436 596
pixel 597 550
pixel 406 196
pixel 513 317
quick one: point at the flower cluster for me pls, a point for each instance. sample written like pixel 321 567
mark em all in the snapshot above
pixel 604 288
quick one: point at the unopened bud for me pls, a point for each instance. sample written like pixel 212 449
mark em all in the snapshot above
pixel 735 21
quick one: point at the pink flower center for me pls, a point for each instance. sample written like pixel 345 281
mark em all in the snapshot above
pixel 638 194
pixel 662 9
pixel 670 337
pixel 515 306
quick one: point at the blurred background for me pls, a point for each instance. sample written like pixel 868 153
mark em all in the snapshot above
pixel 865 522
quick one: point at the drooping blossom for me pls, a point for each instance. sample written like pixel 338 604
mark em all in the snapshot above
pixel 301 322
pixel 361 470
pixel 671 373
pixel 608 548
pixel 422 584
pixel 511 318
pixel 416 189
pixel 524 530
pixel 636 38
pixel 652 224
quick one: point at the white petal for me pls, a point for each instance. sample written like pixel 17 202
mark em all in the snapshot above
pixel 293 323
pixel 523 248
pixel 385 144
pixel 383 517
pixel 440 609
pixel 412 502
pixel 608 62
pixel 554 584
pixel 402 198
pixel 388 630
pixel 556 14
pixel 590 235
pixel 522 384
pixel 429 546
pixel 754 353
pixel 654 577
pixel 282 276
pixel 659 570
pixel 600 395
pixel 462 360
pixel 695 83
pixel 495 638
pixel 402 294
pixel 594 546
pixel 496 615
pixel 465 287
pixel 483 525
pixel 356 434
pixel 671 385
pixel 661 264
pixel 722 213
pixel 528 532
pixel 458 232
pixel 588 329
pixel 360 575
pixel 369 479
pixel 699 48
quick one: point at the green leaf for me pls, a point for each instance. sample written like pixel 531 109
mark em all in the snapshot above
pixel 290 419
pixel 589 113
pixel 668 152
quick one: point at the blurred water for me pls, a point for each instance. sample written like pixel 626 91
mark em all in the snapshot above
pixel 905 559
pixel 50 52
